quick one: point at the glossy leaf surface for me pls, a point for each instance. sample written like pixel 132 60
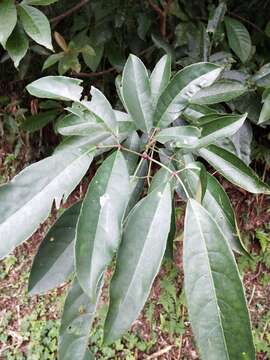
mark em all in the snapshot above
pixel 57 88
pixel 8 19
pixel 160 78
pixel 219 92
pixel 136 92
pixel 179 136
pixel 215 295
pixel 36 187
pixel 233 169
pixel 138 261
pixel 36 25
pixel 99 227
pixel 220 127
pixel 239 38
pixel 77 319
pixel 54 261
pixel 180 90
pixel 17 45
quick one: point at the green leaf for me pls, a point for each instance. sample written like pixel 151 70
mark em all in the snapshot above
pixel 54 261
pixel 218 204
pixel 76 323
pixel 160 78
pixel 133 142
pixel 36 25
pixel 262 77
pixel 83 126
pixel 17 45
pixel 221 91
pixel 265 112
pixel 171 236
pixel 93 61
pixel 36 122
pixel 36 187
pixel 216 201
pixel 239 143
pixel 180 90
pixel 56 87
pixel 215 295
pixel 100 106
pixel 233 169
pixel 52 59
pixel 144 238
pixel 217 18
pixel 238 38
pixel 8 20
pixel 220 127
pixel 194 113
pixel 137 93
pixel 99 227
pixel 39 2
pixel 136 185
pixel 179 136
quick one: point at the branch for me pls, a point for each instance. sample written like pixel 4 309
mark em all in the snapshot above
pixel 68 12
pixel 93 74
pixel 246 21
pixel 162 15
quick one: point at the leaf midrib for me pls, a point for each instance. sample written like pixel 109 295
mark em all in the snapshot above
pixel 42 189
pixel 211 280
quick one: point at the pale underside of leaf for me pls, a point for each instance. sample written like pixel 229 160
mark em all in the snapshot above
pixel 36 187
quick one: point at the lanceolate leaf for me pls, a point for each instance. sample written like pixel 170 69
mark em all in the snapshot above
pixel 217 202
pixel 136 92
pixel 133 142
pixel 36 25
pixel 160 77
pixel 239 143
pixel 180 136
pixel 76 323
pixel 17 45
pixel 36 122
pixel 8 19
pixel 139 259
pixel 54 261
pixel 233 169
pixel 221 91
pixel 136 185
pixel 99 227
pixel 217 18
pixel 39 2
pixel 221 127
pixel 84 125
pixel 180 90
pixel 36 187
pixel 239 38
pixel 215 296
pixel 101 107
pixel 262 77
pixel 57 88
pixel 265 112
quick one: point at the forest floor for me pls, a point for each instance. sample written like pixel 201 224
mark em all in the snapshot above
pixel 29 326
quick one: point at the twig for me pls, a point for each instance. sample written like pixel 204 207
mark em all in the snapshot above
pixel 160 352
pixel 67 13
pixel 236 16
pixel 93 74
pixel 162 15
